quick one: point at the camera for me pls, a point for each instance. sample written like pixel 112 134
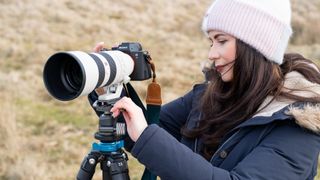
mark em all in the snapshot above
pixel 70 74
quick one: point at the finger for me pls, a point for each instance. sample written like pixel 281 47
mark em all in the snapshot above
pixel 115 113
pixel 126 117
pixel 117 109
pixel 98 47
pixel 118 105
pixel 124 104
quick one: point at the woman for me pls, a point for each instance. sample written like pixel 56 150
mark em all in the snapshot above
pixel 258 116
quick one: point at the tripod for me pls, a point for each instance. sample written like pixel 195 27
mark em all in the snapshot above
pixel 109 153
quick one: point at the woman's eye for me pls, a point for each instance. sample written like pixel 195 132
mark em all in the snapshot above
pixel 222 41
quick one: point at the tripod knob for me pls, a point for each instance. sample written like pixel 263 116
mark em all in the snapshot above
pixel 92 161
pixel 108 163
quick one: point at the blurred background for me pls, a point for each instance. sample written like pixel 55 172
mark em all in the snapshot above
pixel 43 138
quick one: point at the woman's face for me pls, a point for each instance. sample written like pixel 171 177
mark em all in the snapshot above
pixel 222 53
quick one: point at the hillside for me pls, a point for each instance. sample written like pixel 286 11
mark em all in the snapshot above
pixel 43 138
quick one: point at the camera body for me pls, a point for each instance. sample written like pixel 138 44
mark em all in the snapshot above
pixel 142 69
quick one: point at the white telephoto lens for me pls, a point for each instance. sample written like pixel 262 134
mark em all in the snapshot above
pixel 91 71
pixel 124 65
pixel 70 74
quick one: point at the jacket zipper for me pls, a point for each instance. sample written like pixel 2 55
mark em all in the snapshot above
pixel 223 145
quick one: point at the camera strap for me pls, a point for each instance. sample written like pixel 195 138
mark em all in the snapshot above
pixel 152 111
pixel 154 89
pixel 154 102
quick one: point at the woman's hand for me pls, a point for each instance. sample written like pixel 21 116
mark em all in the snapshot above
pixel 99 46
pixel 135 120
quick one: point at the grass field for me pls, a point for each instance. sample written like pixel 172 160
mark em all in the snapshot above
pixel 42 138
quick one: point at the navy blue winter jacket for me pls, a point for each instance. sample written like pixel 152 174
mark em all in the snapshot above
pixel 280 142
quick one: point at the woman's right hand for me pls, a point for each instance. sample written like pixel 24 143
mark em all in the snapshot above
pixel 135 121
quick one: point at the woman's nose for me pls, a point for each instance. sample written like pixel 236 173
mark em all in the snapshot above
pixel 213 54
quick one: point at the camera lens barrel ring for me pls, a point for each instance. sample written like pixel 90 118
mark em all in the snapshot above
pixel 112 66
pixel 100 69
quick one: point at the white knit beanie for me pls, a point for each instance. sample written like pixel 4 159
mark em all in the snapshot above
pixel 263 24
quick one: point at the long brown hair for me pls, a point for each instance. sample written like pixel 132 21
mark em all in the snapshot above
pixel 226 105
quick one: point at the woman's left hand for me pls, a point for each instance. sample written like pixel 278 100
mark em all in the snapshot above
pixel 135 120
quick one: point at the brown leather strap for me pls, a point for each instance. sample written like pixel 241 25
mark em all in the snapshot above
pixel 154 89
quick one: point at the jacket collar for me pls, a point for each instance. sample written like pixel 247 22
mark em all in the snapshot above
pixel 305 114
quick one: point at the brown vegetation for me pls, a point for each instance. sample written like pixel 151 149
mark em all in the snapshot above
pixel 42 138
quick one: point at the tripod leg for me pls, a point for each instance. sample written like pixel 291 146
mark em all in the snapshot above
pixel 115 167
pixel 88 166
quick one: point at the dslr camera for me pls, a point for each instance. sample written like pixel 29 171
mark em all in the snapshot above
pixel 70 74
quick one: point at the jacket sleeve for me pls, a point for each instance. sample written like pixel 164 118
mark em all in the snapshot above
pixel 288 152
pixel 174 114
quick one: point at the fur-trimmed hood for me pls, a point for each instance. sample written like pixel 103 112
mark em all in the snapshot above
pixel 307 117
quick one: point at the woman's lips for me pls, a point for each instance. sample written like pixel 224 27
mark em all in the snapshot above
pixel 220 68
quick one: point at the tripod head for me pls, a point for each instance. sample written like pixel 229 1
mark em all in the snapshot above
pixel 110 130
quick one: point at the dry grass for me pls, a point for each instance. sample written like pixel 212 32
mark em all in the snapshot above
pixel 46 139
pixel 16 162
pixel 306 22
